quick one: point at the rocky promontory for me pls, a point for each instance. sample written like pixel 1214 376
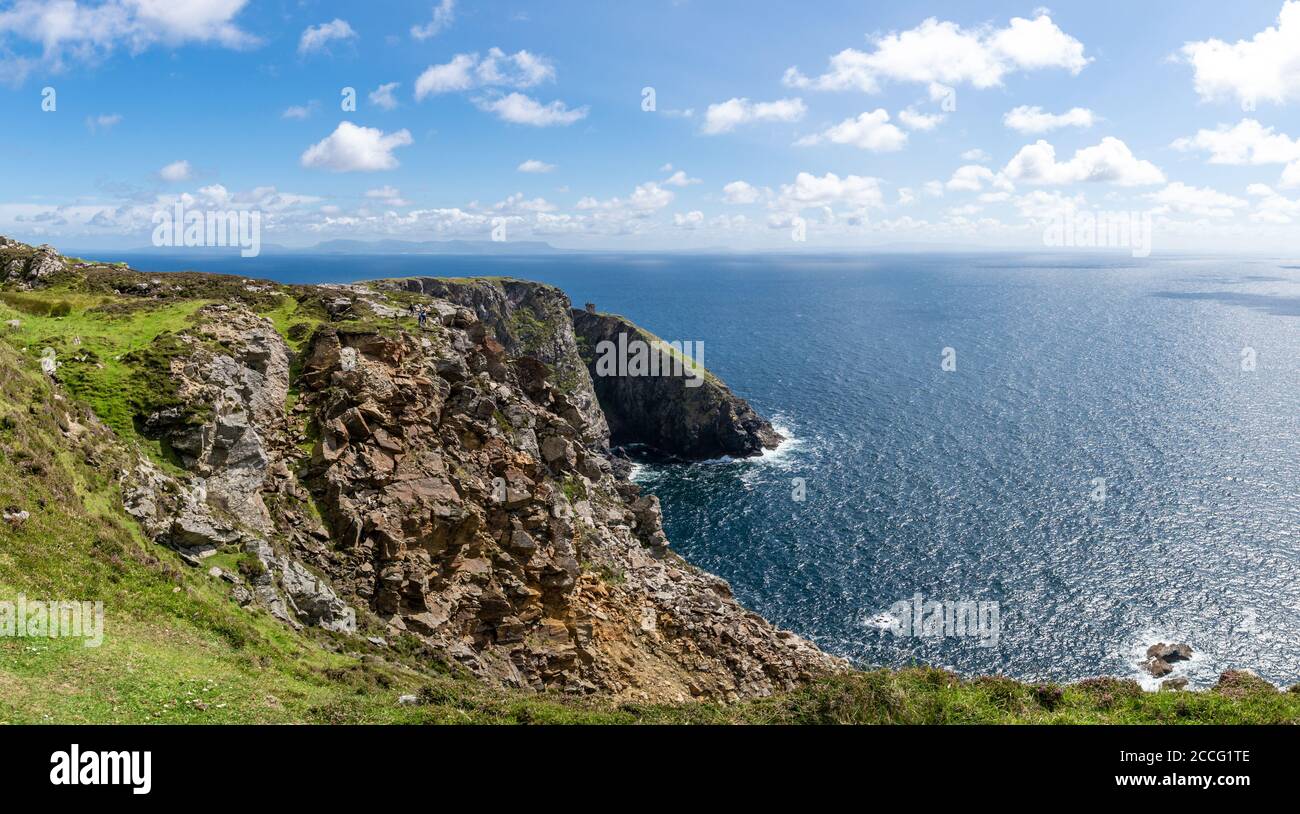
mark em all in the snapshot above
pixel 449 480
pixel 675 407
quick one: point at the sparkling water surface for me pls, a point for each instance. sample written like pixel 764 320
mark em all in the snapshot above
pixel 980 483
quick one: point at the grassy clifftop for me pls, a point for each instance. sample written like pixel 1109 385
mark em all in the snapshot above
pixel 178 649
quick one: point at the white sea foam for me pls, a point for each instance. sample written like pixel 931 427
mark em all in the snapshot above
pixel 1200 670
pixel 789 446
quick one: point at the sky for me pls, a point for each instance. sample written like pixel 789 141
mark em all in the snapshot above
pixel 660 124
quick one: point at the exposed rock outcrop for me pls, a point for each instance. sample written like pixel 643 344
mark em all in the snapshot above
pixel 452 483
pixel 470 509
pixel 27 267
pixel 1161 657
pixel 667 405
pixel 530 320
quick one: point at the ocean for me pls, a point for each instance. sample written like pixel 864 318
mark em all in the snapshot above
pixel 1105 451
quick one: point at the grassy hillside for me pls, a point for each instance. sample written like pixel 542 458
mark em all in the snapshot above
pixel 178 649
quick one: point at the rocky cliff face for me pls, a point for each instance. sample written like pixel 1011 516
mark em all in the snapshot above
pixel 674 410
pixel 452 482
pixel 530 320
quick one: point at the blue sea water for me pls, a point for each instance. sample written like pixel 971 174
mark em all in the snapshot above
pixel 978 483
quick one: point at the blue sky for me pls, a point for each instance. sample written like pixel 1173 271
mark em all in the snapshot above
pixel 937 123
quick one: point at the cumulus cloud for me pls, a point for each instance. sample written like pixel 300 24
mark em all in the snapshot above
pixel 318 37
pixel 1264 68
pixel 1271 207
pixel 351 148
pixel 1026 119
pixel 382 96
pixel 1200 201
pixel 724 117
pixel 976 154
pixel 679 179
pixel 443 14
pixel 520 109
pixel 449 77
pixel 69 30
pixel 689 220
pixel 944 53
pixel 645 198
pixel 808 190
pixel 533 165
pixel 914 120
pixel 521 69
pixel 970 178
pixel 1247 142
pixel 1111 162
pixel 176 171
pixel 869 131
pixel 740 192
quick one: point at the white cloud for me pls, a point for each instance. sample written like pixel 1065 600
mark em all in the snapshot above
pixel 1247 142
pixel 943 53
pixel 318 37
pixel 520 109
pixel 724 117
pixel 869 131
pixel 976 154
pixel 1271 207
pixel 1111 161
pixel 104 121
pixel 351 149
pixel 518 203
pixel 1264 68
pixel 389 194
pixel 443 14
pixel 447 78
pixel 690 220
pixel 176 171
pixel 382 96
pixel 1200 201
pixel 970 178
pixel 1042 205
pixel 679 179
pixel 740 192
pixel 521 69
pixel 299 111
pixel 914 120
pixel 809 190
pixel 68 29
pixel 533 165
pixel 645 198
pixel 1026 119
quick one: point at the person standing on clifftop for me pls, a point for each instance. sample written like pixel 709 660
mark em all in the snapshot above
pixel 420 317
